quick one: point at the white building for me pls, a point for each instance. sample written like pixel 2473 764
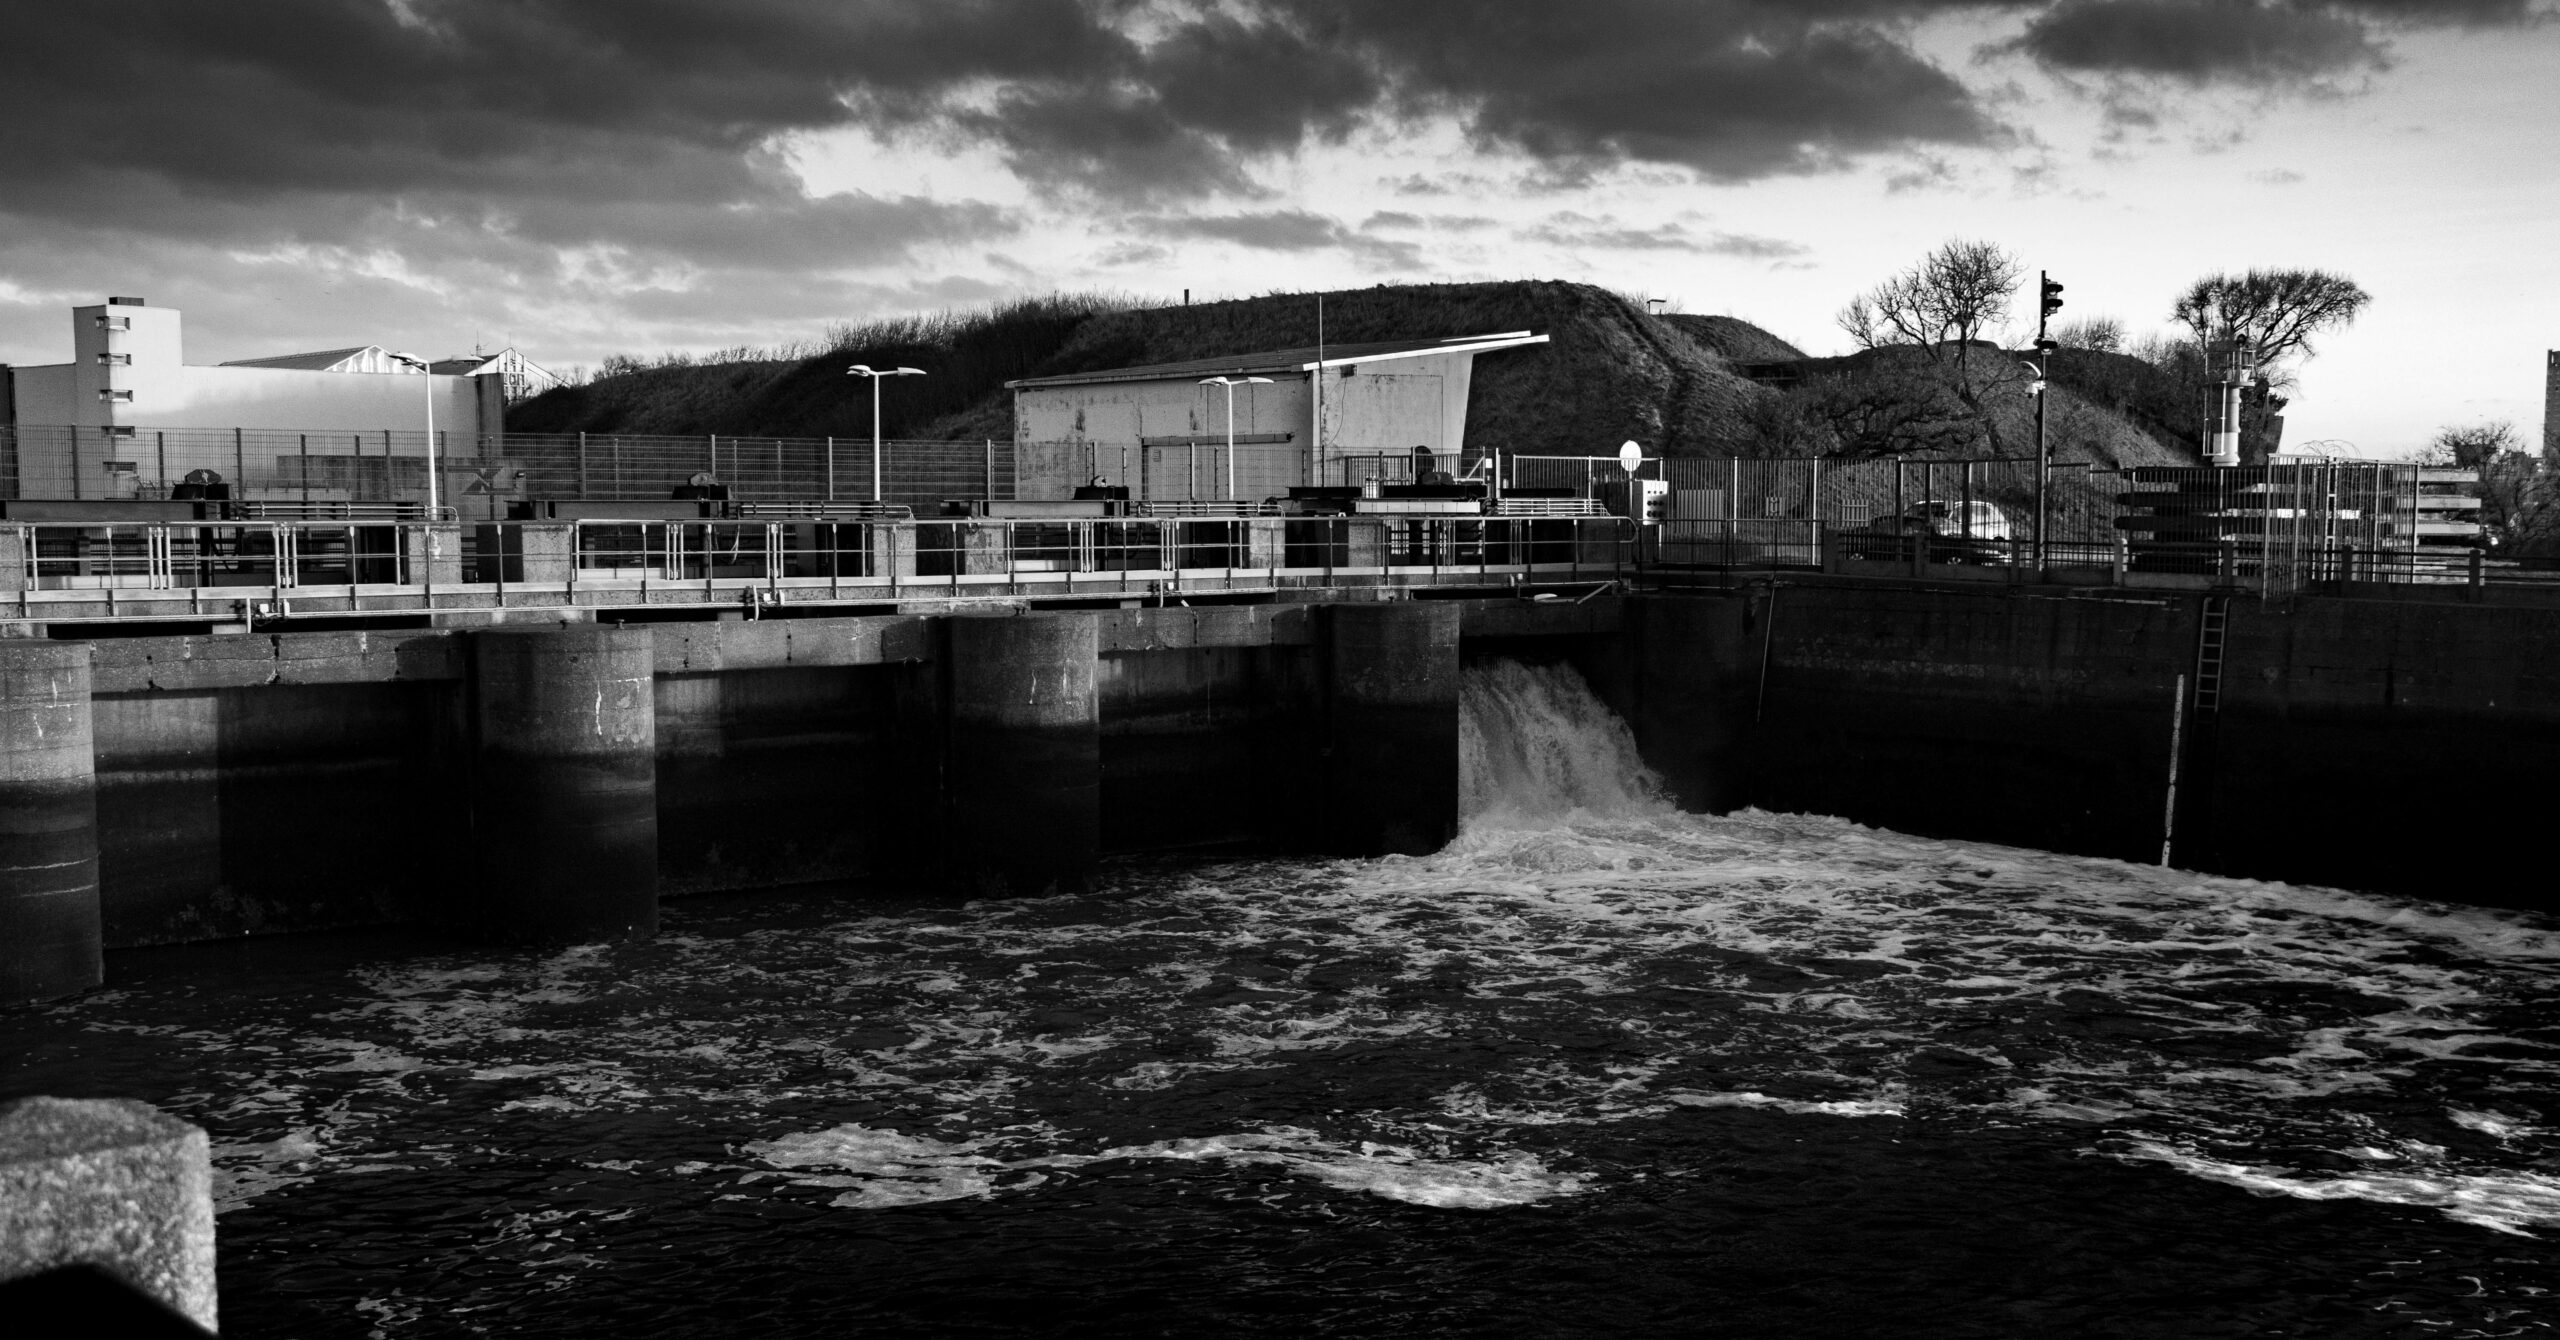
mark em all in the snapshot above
pixel 1159 431
pixel 128 414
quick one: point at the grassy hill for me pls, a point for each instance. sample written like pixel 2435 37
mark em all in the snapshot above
pixel 1609 373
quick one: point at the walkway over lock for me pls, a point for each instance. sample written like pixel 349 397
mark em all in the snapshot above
pixel 230 571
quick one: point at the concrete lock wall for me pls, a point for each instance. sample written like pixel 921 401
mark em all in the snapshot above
pixel 564 791
pixel 2390 745
pixel 276 782
pixel 550 782
pixel 50 934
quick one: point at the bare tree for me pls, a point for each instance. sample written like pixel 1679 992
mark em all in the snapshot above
pixel 1947 300
pixel 2471 446
pixel 2278 311
pixel 2097 334
pixel 2516 498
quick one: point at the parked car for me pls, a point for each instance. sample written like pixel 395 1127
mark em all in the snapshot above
pixel 1893 538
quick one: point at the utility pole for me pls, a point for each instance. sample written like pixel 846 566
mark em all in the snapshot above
pixel 2048 302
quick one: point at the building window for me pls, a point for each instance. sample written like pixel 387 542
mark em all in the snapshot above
pixel 115 323
pixel 115 397
pixel 116 360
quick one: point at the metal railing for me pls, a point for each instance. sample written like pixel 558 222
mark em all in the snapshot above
pixel 177 569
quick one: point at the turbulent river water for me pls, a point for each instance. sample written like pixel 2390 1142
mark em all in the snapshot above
pixel 1597 1067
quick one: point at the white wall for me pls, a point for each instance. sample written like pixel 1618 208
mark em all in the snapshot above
pixel 169 393
pixel 189 397
pixel 180 418
pixel 1388 408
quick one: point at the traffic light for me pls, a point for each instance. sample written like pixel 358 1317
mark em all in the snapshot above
pixel 2052 297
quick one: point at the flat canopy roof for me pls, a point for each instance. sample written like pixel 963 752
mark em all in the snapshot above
pixel 1291 360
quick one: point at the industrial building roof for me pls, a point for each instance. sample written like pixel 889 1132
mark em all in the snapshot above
pixel 324 360
pixel 1307 359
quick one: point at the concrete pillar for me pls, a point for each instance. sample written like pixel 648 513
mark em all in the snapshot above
pixel 1365 542
pixel 110 1183
pixel 1392 744
pixel 565 797
pixel 1266 542
pixel 986 550
pixel 550 550
pixel 893 551
pixel 445 569
pixel 1024 778
pixel 49 928
pixel 17 553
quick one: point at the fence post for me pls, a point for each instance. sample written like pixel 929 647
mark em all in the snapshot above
pixel 831 469
pixel 582 466
pixel 302 447
pixel 990 494
pixel 239 465
pixel 715 456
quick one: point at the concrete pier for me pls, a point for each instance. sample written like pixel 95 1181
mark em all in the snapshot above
pixel 49 921
pixel 1024 777
pixel 110 1183
pixel 565 784
pixel 1392 742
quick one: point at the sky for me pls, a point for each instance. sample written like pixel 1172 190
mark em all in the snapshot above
pixel 586 177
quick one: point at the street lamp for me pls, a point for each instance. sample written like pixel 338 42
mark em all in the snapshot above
pixel 1231 383
pixel 435 501
pixel 865 370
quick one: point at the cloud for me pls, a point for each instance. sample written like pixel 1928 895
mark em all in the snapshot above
pixel 1284 230
pixel 1583 232
pixel 2257 43
pixel 2276 176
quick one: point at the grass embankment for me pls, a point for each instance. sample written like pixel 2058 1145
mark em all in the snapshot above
pixel 1610 372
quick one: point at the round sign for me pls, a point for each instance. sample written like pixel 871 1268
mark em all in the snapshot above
pixel 1630 457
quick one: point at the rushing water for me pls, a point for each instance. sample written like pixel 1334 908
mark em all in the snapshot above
pixel 1597 1067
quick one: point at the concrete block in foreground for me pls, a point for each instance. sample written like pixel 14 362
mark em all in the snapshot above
pixel 110 1182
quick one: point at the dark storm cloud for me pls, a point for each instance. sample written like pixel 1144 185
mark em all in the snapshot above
pixel 2200 41
pixel 514 141
pixel 2261 42
pixel 607 101
pixel 1729 88
pixel 637 124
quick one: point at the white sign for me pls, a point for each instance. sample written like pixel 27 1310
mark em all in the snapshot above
pixel 1630 457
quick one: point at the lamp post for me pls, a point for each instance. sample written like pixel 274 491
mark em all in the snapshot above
pixel 865 370
pixel 435 500
pixel 1231 383
pixel 2048 302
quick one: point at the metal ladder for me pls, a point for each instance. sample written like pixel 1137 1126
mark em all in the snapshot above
pixel 2210 630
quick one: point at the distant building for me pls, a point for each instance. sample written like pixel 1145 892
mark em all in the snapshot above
pixel 2551 410
pixel 73 425
pixel 1157 430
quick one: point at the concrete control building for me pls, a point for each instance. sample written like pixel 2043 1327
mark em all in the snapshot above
pixel 71 425
pixel 1325 417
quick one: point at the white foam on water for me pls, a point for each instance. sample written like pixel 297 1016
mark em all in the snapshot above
pixel 1847 1107
pixel 885 1168
pixel 2510 1202
pixel 244 1170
